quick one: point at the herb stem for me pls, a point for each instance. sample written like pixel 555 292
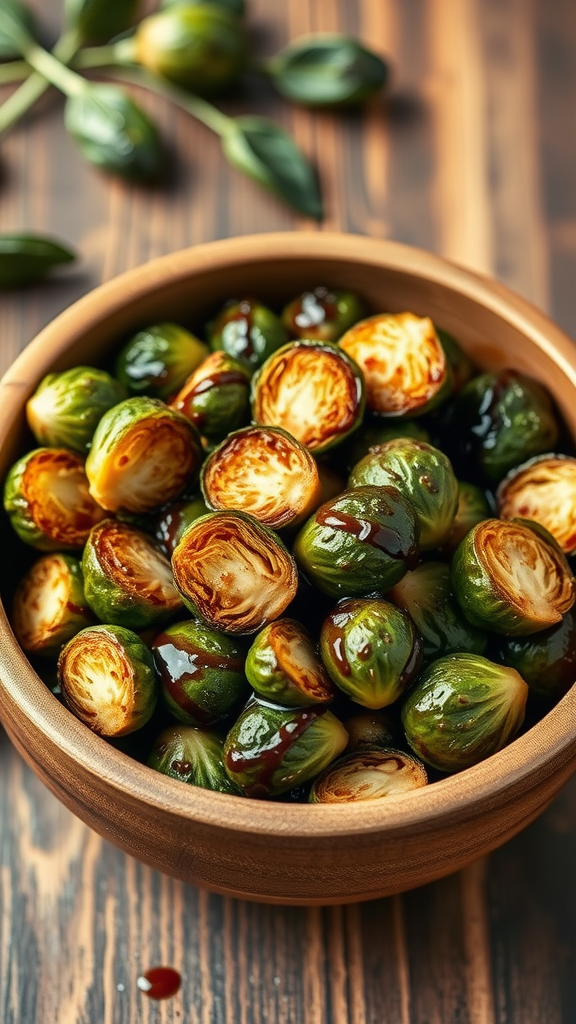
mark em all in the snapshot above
pixel 36 84
pixel 196 106
pixel 14 71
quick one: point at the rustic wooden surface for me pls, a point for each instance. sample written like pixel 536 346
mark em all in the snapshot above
pixel 474 156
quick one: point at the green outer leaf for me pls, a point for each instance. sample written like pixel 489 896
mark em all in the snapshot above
pixel 158 360
pixel 66 407
pixel 113 133
pixel 192 755
pixel 100 19
pixel 248 332
pixel 25 258
pixel 462 709
pixel 265 152
pixel 288 672
pixel 546 660
pixel 15 16
pixel 327 71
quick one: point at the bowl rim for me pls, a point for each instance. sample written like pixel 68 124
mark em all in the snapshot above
pixel 547 744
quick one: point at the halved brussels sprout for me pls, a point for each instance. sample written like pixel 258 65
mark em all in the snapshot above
pixel 461 366
pixel 175 519
pixel 216 398
pixel 283 666
pixel 497 422
pixel 403 362
pixel 511 579
pixel 263 471
pixel 462 709
pixel 374 433
pixel 269 750
pixel 47 499
pixel 547 660
pixel 369 775
pixel 370 730
pixel 192 755
pixel 201 672
pixel 472 508
pixel 371 651
pixel 202 48
pixel 233 572
pixel 424 476
pixel 158 360
pixel 49 605
pixel 359 543
pixel 143 454
pixel 428 596
pixel 248 332
pixel 322 314
pixel 543 489
pixel 108 681
pixel 127 580
pixel 66 408
pixel 313 390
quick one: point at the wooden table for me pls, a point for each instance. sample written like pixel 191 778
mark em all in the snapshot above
pixel 475 157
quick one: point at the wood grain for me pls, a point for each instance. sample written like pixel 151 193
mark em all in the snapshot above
pixel 482 170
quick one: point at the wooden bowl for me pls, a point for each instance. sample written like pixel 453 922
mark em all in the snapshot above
pixel 280 852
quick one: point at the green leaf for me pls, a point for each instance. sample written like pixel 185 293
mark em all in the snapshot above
pixel 266 153
pixel 113 133
pixel 15 20
pixel 101 19
pixel 327 71
pixel 236 6
pixel 25 258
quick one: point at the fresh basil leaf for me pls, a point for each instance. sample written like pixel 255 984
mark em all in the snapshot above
pixel 15 18
pixel 25 258
pixel 327 71
pixel 113 133
pixel 265 152
pixel 100 20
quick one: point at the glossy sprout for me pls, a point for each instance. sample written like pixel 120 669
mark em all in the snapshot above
pixel 248 331
pixel 66 408
pixel 216 397
pixel 545 660
pixel 282 666
pixel 191 755
pixel 158 360
pixel 322 314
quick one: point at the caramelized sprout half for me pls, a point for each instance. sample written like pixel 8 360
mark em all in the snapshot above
pixel 108 681
pixel 233 572
pixel 511 579
pixel 283 666
pixel 263 471
pixel 49 605
pixel 311 389
pixel 66 408
pixel 143 454
pixel 369 775
pixel 47 498
pixel 191 755
pixel 127 579
pixel 403 362
pixel 543 489
pixel 159 359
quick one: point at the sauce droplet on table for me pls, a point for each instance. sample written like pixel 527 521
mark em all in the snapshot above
pixel 159 982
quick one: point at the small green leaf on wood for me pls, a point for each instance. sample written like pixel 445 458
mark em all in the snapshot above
pixel 327 71
pixel 113 133
pixel 26 258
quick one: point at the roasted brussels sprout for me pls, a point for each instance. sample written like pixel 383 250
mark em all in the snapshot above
pixel 192 755
pixel 233 572
pixel 370 730
pixel 269 750
pixel 428 597
pixel 65 408
pixel 374 433
pixel 201 672
pixel 311 389
pixel 368 775
pixel 127 579
pixel 216 398
pixel 108 681
pixel 543 489
pixel 371 650
pixel 472 508
pixel 47 499
pixel 461 365
pixel 171 523
pixel 424 476
pixel 497 422
pixel 403 362
pixel 247 331
pixel 143 455
pixel 49 605
pixel 263 471
pixel 200 47
pixel 282 666
pixel 462 709
pixel 547 660
pixel 158 360
pixel 359 543
pixel 511 579
pixel 322 314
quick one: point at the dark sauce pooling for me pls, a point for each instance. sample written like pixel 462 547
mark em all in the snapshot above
pixel 159 982
pixel 367 531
